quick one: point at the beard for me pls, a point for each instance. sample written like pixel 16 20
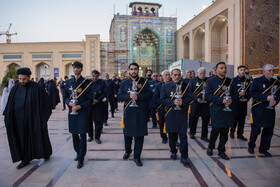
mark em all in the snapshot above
pixel 133 76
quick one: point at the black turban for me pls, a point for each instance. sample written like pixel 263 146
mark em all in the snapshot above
pixel 24 71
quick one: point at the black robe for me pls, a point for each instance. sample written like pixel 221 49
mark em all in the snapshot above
pixel 53 93
pixel 135 118
pixel 26 116
pixel 42 83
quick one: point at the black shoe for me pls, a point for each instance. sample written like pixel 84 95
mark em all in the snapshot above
pixel 209 152
pixel 173 156
pixel 63 109
pixel 126 156
pixel 154 126
pixel 231 135
pixel 205 139
pixel 185 163
pixel 177 144
pixel 164 141
pixel 105 124
pixel 138 162
pixel 223 156
pixel 192 136
pixel 76 158
pixel 113 116
pixel 267 154
pixel 241 137
pixel 90 139
pixel 251 150
pixel 98 141
pixel 47 158
pixel 80 164
pixel 22 164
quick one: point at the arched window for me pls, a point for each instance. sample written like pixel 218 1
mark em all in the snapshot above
pixel 153 11
pixel 140 10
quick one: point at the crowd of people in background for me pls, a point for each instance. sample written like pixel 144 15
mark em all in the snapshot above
pixel 171 101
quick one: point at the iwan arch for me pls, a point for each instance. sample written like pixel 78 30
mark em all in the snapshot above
pixel 208 37
pixel 234 31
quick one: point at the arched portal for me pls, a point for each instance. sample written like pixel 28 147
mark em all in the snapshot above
pixel 219 40
pixel 69 70
pixel 199 45
pixel 13 64
pixel 43 70
pixel 187 48
pixel 146 50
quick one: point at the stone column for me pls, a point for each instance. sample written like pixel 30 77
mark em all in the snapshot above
pixel 191 45
pixel 207 42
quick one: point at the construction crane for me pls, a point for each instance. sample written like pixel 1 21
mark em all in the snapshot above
pixel 8 34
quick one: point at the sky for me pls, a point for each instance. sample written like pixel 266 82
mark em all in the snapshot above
pixel 71 20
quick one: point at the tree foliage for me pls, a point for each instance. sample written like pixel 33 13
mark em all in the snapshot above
pixel 11 74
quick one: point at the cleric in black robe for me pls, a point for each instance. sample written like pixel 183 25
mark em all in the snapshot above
pixel 53 93
pixel 42 82
pixel 26 116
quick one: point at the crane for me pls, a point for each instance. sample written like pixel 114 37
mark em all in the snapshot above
pixel 8 34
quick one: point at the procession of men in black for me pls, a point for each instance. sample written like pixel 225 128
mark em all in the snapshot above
pixel 177 103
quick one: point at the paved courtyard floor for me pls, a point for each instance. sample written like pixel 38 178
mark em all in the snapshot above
pixel 104 165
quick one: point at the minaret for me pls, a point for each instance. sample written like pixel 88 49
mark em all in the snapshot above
pixel 145 9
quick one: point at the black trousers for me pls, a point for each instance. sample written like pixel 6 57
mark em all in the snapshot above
pixel 98 129
pixel 80 145
pixel 64 105
pixel 63 100
pixel 106 111
pixel 161 126
pixel 112 106
pixel 116 103
pixel 240 120
pixel 138 145
pixel 173 137
pixel 266 136
pixel 153 115
pixel 193 125
pixel 223 132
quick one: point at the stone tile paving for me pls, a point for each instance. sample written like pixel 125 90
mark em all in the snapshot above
pixel 104 165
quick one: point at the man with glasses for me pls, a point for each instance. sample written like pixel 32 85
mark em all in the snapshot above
pixel 188 76
pixel 263 115
pixel 161 107
pixel 176 114
pixel 198 107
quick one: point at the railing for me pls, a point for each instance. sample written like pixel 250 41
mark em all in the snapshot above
pixel 259 72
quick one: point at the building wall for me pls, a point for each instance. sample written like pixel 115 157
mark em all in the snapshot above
pixel 55 54
pixel 124 28
pixel 213 49
pixel 108 58
pixel 92 53
pixel 260 34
